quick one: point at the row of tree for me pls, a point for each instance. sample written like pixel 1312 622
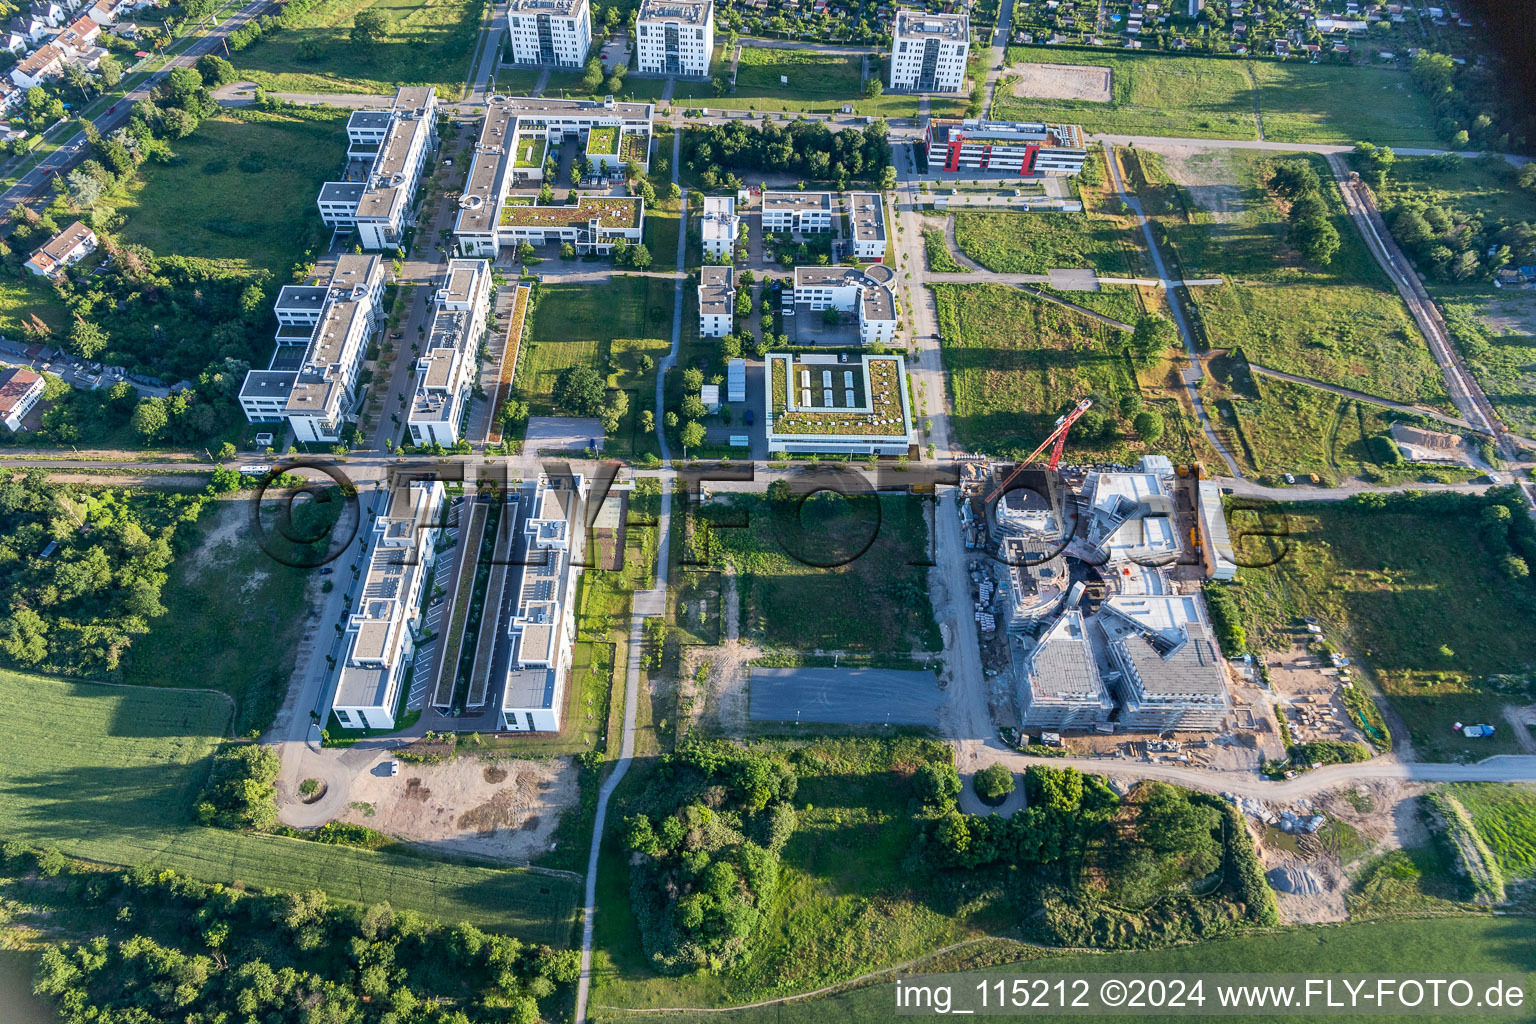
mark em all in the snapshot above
pixel 1311 222
pixel 718 153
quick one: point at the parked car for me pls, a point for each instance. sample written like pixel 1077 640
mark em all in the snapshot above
pixel 394 768
pixel 327 570
pixel 749 417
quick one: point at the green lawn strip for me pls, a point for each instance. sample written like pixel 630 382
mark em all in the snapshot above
pixel 234 618
pixel 870 600
pixel 428 42
pixel 1453 945
pixel 1034 243
pixel 1505 816
pixel 1400 587
pixel 1206 97
pixel 1342 324
pixel 110 773
pixel 845 904
pixel 1015 363
pixel 241 190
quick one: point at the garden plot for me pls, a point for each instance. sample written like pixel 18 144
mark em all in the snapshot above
pixel 1061 82
pixel 506 810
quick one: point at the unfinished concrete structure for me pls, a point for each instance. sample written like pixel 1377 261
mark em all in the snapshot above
pixel 1165 668
pixel 1063 688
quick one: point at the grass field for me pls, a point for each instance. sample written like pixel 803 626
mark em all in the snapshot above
pixel 608 327
pixel 860 564
pixel 29 295
pixel 1341 324
pixel 238 190
pixel 110 774
pixel 428 42
pixel 1396 586
pixel 1015 363
pixel 239 638
pixel 1505 816
pixel 1450 945
pixel 940 261
pixel 845 905
pixel 1033 243
pixel 1202 97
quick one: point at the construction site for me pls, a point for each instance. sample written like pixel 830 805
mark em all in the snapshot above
pixel 1086 584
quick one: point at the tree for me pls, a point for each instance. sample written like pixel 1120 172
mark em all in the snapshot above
pixel 567 251
pixel 1149 425
pixel 150 418
pixel 693 407
pixel 183 88
pixel 24 636
pixel 180 123
pixel 670 419
pixel 693 435
pixel 85 189
pixel 993 783
pixel 592 78
pixel 216 71
pixel 87 338
pixel 111 71
pixel 640 257
pixel 693 379
pixel 938 785
pixel 579 391
pixel 1295 178
pixel 647 421
pixel 874 87
pixel 1526 179
pixel 1317 240
pixel 1154 335
pixel 368 27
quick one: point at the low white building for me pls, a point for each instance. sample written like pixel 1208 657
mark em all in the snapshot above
pixel 803 212
pixel 594 224
pixel 866 226
pixel 717 302
pixel 929 51
pixel 550 33
pixel 446 369
pixel 540 617
pixel 867 293
pixel 318 394
pixel 675 37
pixel 380 639
pixel 513 142
pixel 720 227
pixel 20 390
pixel 398 143
pixel 1215 540
pixel 832 404
pixel 69 246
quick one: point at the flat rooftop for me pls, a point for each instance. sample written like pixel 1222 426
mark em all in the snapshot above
pixel 809 393
pixel 563 8
pixel 866 215
pixel 715 290
pixel 487 170
pixel 609 211
pixel 943 26
pixel 689 12
pixel 556 109
pixel 875 299
pixel 1008 133
pixel 801 201
pixel 1062 667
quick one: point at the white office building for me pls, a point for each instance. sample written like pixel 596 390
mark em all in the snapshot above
pixel 446 369
pixel 928 51
pixel 717 302
pixel 396 144
pixel 1023 148
pixel 514 139
pixel 866 226
pixel 379 643
pixel 317 392
pixel 868 294
pixel 550 33
pixel 834 404
pixel 803 212
pixel 675 37
pixel 720 227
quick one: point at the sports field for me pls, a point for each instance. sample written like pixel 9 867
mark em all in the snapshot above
pixel 110 774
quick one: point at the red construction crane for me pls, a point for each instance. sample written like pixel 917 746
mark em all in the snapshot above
pixel 1058 436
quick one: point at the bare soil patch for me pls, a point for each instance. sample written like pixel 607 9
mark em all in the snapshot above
pixel 505 810
pixel 1208 177
pixel 1060 82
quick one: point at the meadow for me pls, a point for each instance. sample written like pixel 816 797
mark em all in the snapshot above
pixel 1015 363
pixel 1401 587
pixel 1204 97
pixel 1034 243
pixel 607 327
pixel 110 774
pixel 240 190
pixel 428 42
pixel 845 905
pixel 1505 816
pixel 1341 323
pixel 28 295
pixel 1446 945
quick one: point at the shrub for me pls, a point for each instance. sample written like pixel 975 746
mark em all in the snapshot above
pixel 241 790
pixel 993 784
pixel 1319 752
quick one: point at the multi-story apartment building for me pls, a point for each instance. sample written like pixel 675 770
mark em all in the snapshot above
pixel 866 226
pixel 554 33
pixel 397 143
pixel 928 51
pixel 71 245
pixel 1012 147
pixel 867 293
pixel 319 395
pixel 804 212
pixel 510 151
pixel 717 302
pixel 720 227
pixel 538 607
pixel 445 372
pixel 675 37
pixel 379 642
